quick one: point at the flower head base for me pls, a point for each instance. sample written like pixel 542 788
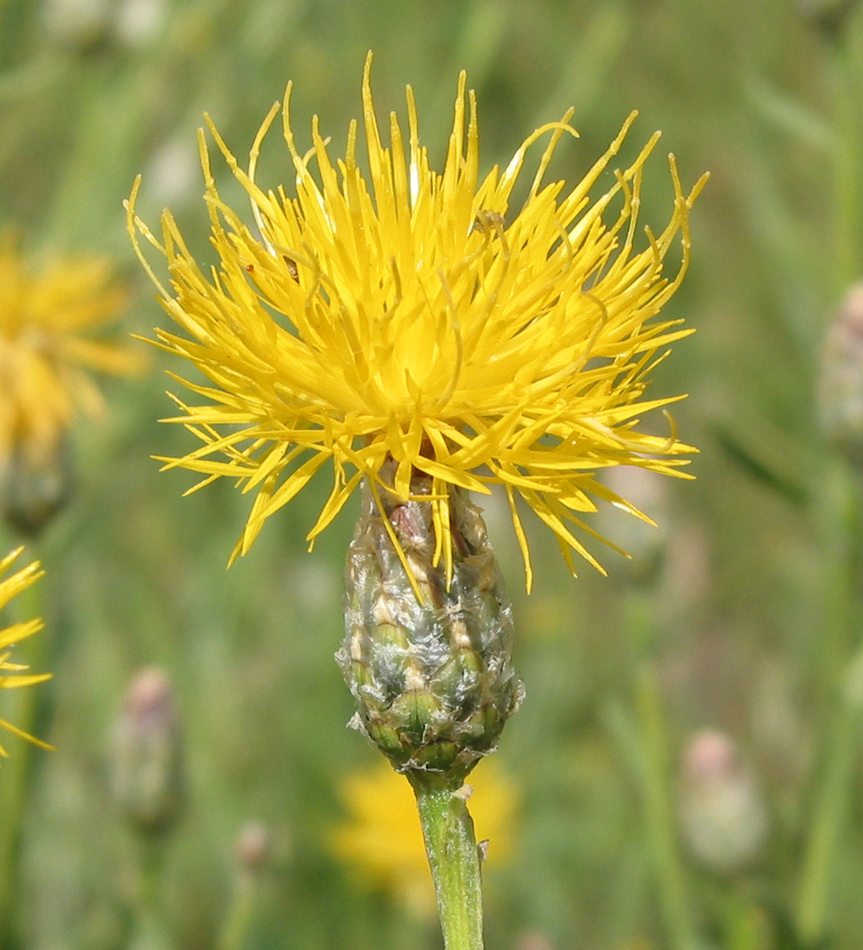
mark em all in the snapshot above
pixel 11 674
pixel 44 362
pixel 416 316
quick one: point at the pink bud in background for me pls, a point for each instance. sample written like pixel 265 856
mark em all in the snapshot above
pixel 254 846
pixel 533 940
pixel 841 377
pixel 722 813
pixel 147 767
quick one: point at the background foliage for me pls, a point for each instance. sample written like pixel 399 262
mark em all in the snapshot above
pixel 747 622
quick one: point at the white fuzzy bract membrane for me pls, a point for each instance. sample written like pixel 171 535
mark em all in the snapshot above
pixel 415 315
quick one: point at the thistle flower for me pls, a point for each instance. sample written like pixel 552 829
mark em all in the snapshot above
pixel 44 361
pixel 44 368
pixel 12 674
pixel 419 317
pixel 381 838
pixel 426 339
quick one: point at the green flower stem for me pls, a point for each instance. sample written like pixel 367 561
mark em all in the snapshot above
pixel 826 831
pixel 648 742
pixel 848 154
pixel 745 923
pixel 241 913
pixel 453 858
pixel 670 875
pixel 842 522
pixel 150 930
pixel 834 794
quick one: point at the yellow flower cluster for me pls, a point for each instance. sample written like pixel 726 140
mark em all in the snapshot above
pixel 44 359
pixel 418 316
pixel 11 674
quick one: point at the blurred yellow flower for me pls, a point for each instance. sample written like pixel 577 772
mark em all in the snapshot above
pixel 382 841
pixel 44 359
pixel 415 315
pixel 11 674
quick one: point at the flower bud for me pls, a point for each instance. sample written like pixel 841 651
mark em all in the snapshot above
pixel 433 681
pixel 828 15
pixel 841 377
pixel 35 486
pixel 139 22
pixel 722 812
pixel 79 23
pixel 147 767
pixel 644 542
pixel 254 846
pixel 533 940
pixel 173 173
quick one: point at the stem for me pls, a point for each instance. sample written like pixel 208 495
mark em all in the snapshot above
pixel 822 860
pixel 150 930
pixel 650 756
pixel 847 156
pixel 241 912
pixel 834 795
pixel 831 810
pixel 670 875
pixel 453 858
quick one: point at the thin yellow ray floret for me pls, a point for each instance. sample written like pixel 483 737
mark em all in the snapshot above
pixel 417 315
pixel 11 674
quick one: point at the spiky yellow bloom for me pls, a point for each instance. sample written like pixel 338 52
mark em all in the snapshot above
pixel 12 674
pixel 382 840
pixel 44 358
pixel 417 316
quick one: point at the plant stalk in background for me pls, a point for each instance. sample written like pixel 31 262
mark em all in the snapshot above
pixel 840 501
pixel 147 785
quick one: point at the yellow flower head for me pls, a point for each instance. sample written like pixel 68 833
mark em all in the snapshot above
pixel 416 316
pixel 382 840
pixel 11 674
pixel 43 358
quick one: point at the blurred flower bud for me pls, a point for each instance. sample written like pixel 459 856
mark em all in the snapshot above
pixel 841 378
pixel 173 173
pixel 254 846
pixel 147 763
pixel 82 23
pixel 781 729
pixel 722 812
pixel 645 542
pixel 254 853
pixel 532 940
pixel 35 486
pixel 140 21
pixel 688 575
pixel 828 15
